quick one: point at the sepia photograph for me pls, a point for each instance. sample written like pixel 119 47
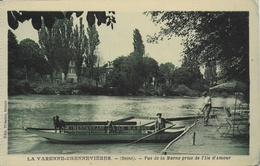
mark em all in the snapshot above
pixel 113 85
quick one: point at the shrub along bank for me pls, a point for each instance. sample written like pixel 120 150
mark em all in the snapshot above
pixel 16 87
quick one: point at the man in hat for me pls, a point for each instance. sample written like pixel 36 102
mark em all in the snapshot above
pixel 160 122
pixel 206 107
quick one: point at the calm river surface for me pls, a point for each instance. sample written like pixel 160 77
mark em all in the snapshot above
pixel 38 110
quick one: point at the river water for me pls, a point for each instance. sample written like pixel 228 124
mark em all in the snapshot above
pixel 38 110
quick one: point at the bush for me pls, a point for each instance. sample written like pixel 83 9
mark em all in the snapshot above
pixel 16 87
pixel 45 89
pixel 224 94
pixel 184 90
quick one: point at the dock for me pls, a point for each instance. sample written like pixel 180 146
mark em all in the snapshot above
pixel 210 140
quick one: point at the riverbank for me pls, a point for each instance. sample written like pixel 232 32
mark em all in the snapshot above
pixel 20 87
pixel 25 87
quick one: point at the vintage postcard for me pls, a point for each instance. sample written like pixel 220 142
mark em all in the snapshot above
pixel 129 82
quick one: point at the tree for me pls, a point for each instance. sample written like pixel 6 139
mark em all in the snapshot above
pixel 150 71
pixel 93 43
pixel 166 72
pixel 80 42
pixel 47 44
pixel 63 43
pixel 32 59
pixel 183 76
pixel 139 49
pixel 115 77
pixel 13 54
pixel 99 68
pixel 132 74
pixel 222 37
pixel 211 73
pixel 56 44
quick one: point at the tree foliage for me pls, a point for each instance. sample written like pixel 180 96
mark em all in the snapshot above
pixel 126 74
pixel 139 49
pixel 222 37
pixel 211 74
pixel 25 59
pixel 63 47
pixel 32 58
pixel 150 71
pixel 93 43
pixel 49 18
pixel 80 47
pixel 47 44
pixel 134 71
pixel 13 54
pixel 166 73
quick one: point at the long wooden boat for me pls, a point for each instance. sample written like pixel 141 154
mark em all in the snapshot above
pixel 100 132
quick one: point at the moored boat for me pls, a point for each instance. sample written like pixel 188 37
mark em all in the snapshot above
pixel 104 137
pixel 105 132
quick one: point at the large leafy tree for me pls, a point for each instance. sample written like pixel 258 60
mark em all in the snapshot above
pixel 57 45
pixel 93 43
pixel 166 74
pixel 182 76
pixel 115 77
pixel 210 73
pixel 80 47
pixel 139 48
pixel 132 74
pixel 126 74
pixel 48 46
pixel 150 71
pixel 63 43
pixel 13 54
pixel 32 58
pixel 222 37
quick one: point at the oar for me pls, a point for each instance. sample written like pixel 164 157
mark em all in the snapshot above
pixel 150 135
pixel 173 119
pixel 147 123
pixel 183 118
pixel 124 119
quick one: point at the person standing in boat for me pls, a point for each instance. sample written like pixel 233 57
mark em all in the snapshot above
pixel 58 124
pixel 160 122
pixel 207 104
pixel 55 122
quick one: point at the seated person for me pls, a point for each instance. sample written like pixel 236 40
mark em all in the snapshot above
pixel 160 122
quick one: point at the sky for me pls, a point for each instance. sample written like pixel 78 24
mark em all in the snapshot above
pixel 119 41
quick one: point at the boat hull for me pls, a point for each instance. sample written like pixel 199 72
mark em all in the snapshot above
pixel 84 138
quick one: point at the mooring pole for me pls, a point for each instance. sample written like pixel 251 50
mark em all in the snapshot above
pixel 193 138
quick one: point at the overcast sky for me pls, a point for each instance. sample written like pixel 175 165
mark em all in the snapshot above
pixel 119 41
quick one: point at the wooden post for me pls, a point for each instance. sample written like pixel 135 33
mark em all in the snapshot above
pixel 140 131
pixel 164 153
pixel 184 132
pixel 194 138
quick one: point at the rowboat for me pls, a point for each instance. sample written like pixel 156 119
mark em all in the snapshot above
pixel 101 132
pixel 66 137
